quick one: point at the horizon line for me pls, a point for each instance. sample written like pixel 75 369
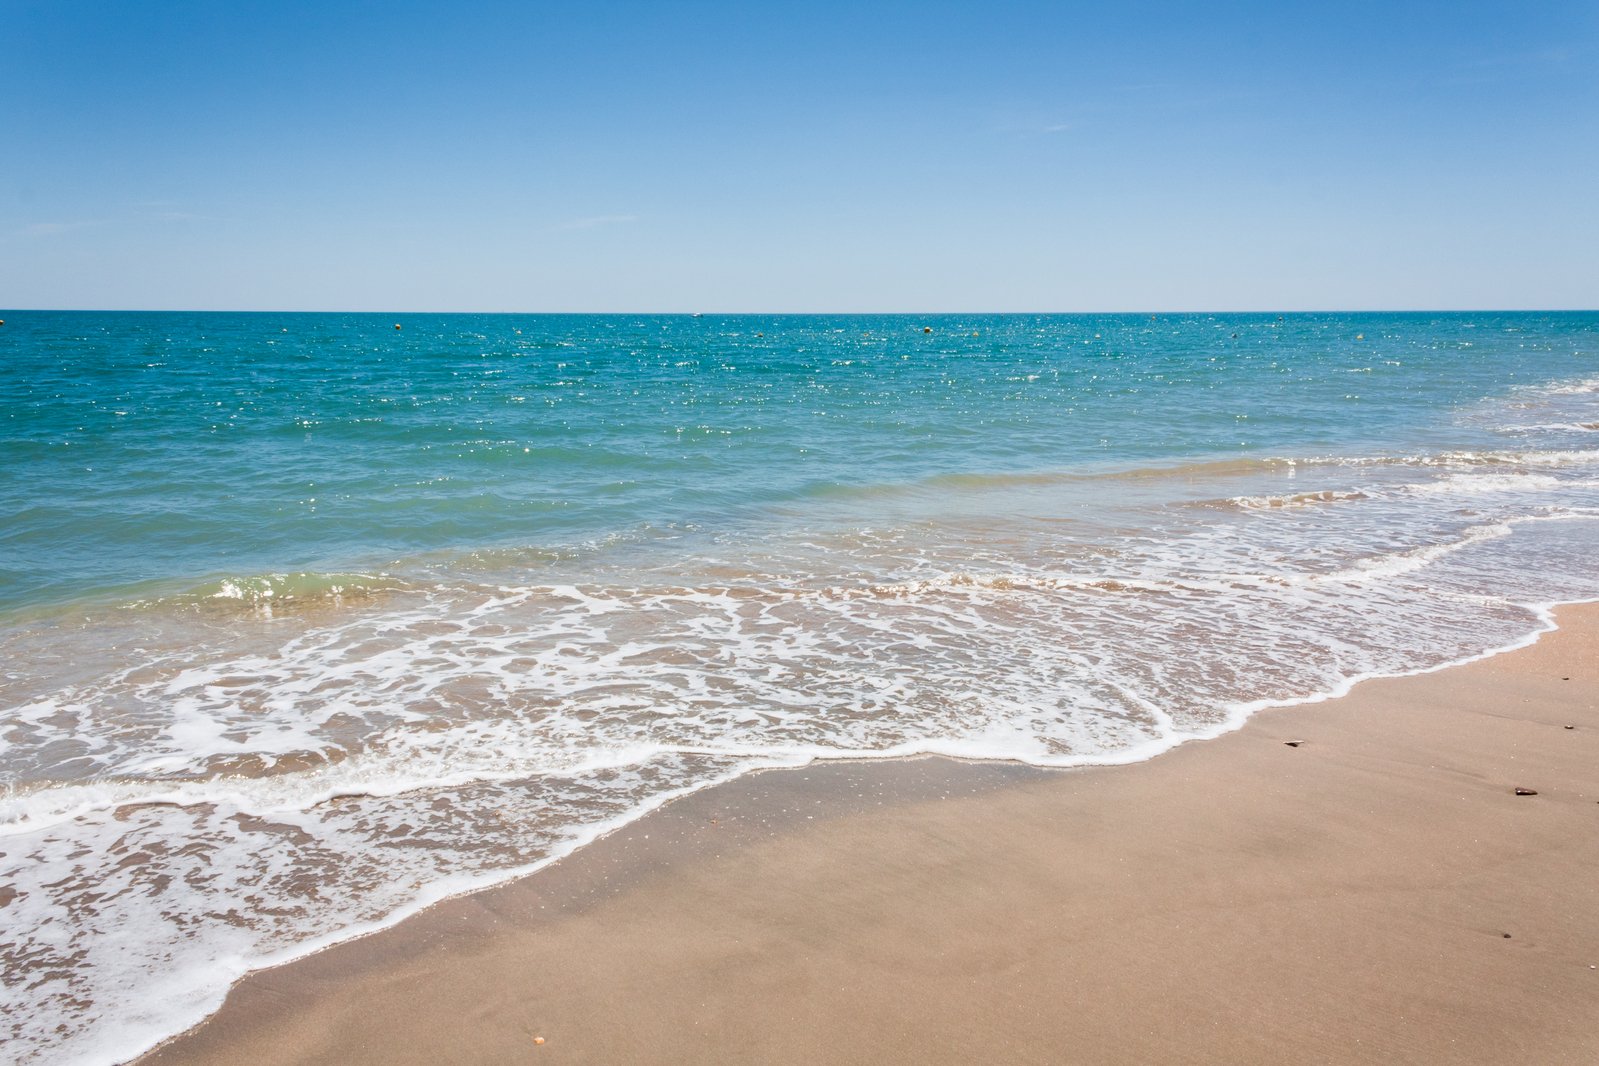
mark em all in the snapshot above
pixel 833 314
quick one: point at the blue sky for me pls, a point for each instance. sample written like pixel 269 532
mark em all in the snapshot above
pixel 820 157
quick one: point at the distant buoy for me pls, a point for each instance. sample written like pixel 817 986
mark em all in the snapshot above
pixel 1360 336
pixel 974 333
pixel 396 325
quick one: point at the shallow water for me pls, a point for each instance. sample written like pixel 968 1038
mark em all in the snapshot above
pixel 304 620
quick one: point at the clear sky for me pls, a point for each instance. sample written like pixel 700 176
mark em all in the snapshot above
pixel 599 156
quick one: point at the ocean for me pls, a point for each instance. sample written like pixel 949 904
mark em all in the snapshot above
pixel 307 620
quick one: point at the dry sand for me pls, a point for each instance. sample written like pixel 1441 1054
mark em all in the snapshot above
pixel 1234 901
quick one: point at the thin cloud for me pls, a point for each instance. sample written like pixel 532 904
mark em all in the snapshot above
pixel 48 229
pixel 1553 56
pixel 594 221
pixel 1512 66
pixel 171 211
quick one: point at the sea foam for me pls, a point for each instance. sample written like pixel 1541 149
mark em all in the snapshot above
pixel 217 766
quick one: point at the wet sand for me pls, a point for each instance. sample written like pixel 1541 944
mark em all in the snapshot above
pixel 1378 893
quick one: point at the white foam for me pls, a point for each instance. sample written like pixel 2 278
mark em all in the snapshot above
pixel 1472 458
pixel 1416 559
pixel 1466 484
pixel 469 731
pixel 1572 388
pixel 1553 427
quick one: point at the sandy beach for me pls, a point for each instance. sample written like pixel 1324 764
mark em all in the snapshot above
pixel 773 534
pixel 1353 881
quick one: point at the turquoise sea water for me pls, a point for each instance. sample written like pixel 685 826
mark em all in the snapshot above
pixel 167 448
pixel 305 620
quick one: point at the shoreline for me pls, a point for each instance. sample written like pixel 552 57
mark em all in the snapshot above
pixel 760 812
pixel 447 889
